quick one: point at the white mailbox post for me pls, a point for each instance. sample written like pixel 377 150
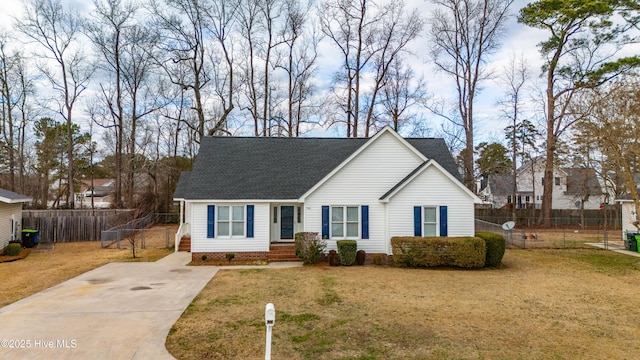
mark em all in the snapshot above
pixel 269 319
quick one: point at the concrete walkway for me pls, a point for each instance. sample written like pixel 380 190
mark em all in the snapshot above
pixel 117 311
pixel 615 247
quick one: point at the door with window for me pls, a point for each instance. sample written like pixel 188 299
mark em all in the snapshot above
pixel 286 222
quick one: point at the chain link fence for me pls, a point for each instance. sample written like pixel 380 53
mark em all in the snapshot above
pixel 159 236
pixel 150 231
pixel 560 238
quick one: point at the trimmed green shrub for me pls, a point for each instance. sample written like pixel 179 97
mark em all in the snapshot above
pixel 347 251
pixel 309 247
pixel 361 256
pixel 13 249
pixel 414 251
pixel 334 259
pixel 496 245
pixel 377 259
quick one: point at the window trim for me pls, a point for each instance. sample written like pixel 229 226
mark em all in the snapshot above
pixel 424 222
pixel 345 222
pixel 230 222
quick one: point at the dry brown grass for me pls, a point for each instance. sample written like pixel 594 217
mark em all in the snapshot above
pixel 158 236
pixel 543 304
pixel 43 269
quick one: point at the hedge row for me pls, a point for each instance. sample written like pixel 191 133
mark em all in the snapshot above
pixel 414 251
pixel 496 246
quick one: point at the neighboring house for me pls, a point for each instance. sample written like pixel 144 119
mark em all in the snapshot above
pixel 10 216
pixel 101 192
pixel 245 194
pixel 573 188
pixel 629 214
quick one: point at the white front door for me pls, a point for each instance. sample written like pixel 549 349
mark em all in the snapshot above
pixel 286 221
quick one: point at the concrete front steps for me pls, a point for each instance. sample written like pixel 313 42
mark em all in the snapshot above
pixel 185 244
pixel 282 252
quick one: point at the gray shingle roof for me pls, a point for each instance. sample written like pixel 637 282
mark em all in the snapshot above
pixel 582 181
pixel 500 184
pixel 11 197
pixel 233 168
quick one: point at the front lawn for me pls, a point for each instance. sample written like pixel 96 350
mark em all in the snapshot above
pixel 543 304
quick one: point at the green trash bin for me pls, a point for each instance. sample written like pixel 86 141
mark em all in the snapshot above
pixel 633 243
pixel 637 239
pixel 631 239
pixel 29 238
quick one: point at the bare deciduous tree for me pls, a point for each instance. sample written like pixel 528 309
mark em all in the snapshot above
pixel 612 120
pixel 57 30
pixel 514 78
pixel 301 52
pixel 351 25
pixel 464 34
pixel 401 93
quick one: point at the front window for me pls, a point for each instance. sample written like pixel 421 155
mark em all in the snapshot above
pixel 557 180
pixel 231 221
pixel 430 221
pixel 345 221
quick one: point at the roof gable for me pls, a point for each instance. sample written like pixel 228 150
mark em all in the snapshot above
pixel 385 131
pixel 419 170
pixel 267 168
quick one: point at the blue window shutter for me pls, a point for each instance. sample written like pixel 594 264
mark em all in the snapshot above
pixel 444 230
pixel 417 221
pixel 325 222
pixel 249 221
pixel 365 221
pixel 211 220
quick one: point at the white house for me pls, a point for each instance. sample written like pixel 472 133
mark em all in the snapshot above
pixel 629 215
pixel 10 216
pixel 573 188
pixel 245 194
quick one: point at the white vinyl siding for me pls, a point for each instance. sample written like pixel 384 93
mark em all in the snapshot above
pixel 363 181
pixel 200 242
pixel 6 210
pixel 431 187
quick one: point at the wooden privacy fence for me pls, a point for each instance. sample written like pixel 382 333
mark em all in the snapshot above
pixel 73 225
pixel 593 219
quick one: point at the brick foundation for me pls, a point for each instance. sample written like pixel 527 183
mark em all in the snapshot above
pixel 238 258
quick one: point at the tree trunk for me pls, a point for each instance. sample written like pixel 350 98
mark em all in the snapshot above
pixel 547 186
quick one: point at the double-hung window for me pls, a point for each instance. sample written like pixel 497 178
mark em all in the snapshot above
pixel 345 222
pixel 430 221
pixel 231 221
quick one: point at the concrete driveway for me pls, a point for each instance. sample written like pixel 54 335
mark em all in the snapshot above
pixel 117 311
